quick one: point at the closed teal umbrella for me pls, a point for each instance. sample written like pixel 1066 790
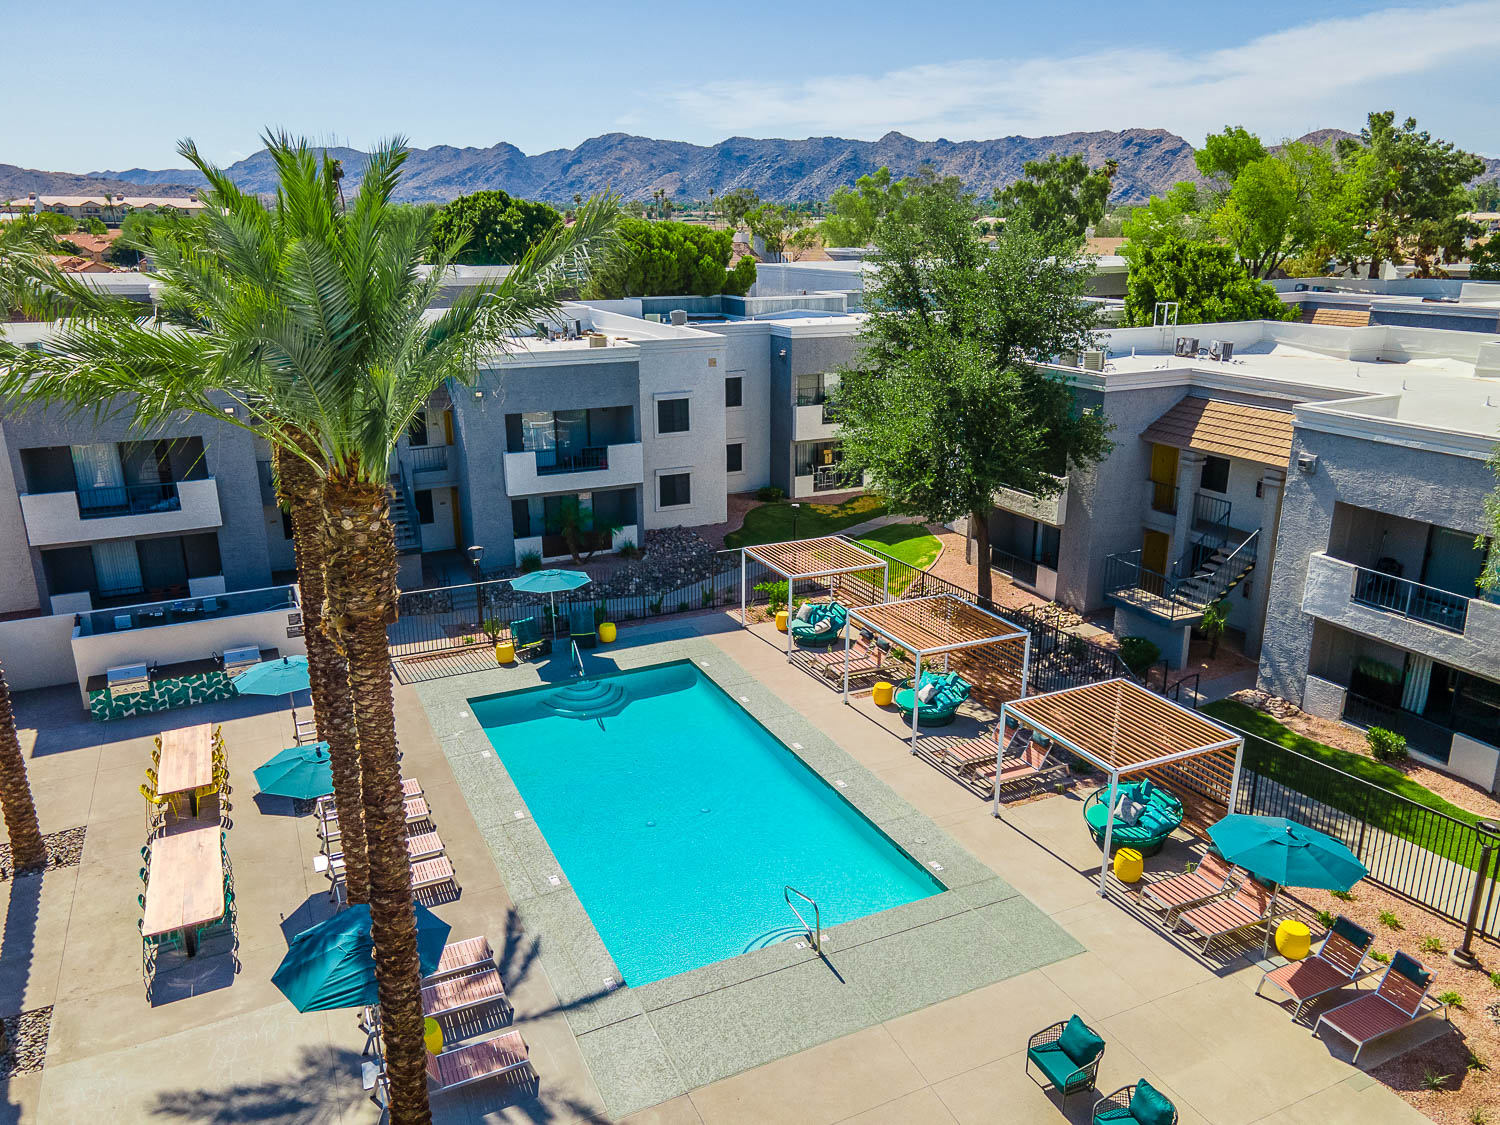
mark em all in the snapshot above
pixel 551 583
pixel 1286 853
pixel 299 772
pixel 332 965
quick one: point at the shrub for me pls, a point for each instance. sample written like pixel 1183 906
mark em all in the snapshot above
pixel 1451 998
pixel 683 606
pixel 775 593
pixel 628 549
pixel 655 607
pixel 1390 921
pixel 1495 979
pixel 1478 1116
pixel 1325 919
pixel 531 560
pixel 770 494
pixel 1435 1081
pixel 1474 1062
pixel 1139 653
pixel 1385 745
pixel 1431 945
pixel 493 627
pixel 708 598
pixel 1383 958
pixel 600 615
pixel 1342 896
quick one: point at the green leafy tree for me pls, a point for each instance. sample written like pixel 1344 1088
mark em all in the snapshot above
pixel 1061 191
pixel 1176 215
pixel 1484 259
pixel 138 228
pixel 803 240
pixel 501 228
pixel 1224 156
pixel 1485 196
pixel 735 205
pixel 771 223
pixel 1207 280
pixel 653 259
pixel 1415 191
pixel 95 226
pixel 945 403
pixel 857 210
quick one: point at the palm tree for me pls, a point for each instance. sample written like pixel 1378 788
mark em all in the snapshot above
pixel 313 324
pixel 26 848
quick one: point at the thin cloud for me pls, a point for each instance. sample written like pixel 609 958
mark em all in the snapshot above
pixel 1329 70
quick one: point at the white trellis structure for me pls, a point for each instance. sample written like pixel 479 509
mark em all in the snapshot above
pixel 826 557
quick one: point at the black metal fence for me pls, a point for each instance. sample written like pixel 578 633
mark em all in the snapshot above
pixel 1415 851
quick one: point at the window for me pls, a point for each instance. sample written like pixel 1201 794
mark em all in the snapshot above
pixel 286 524
pixel 416 429
pixel 423 497
pixel 734 390
pixel 672 416
pixel 674 490
pixel 734 458
pixel 1215 476
pixel 810 389
pixel 520 519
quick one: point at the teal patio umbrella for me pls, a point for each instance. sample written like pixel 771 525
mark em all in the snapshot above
pixel 282 676
pixel 1286 853
pixel 332 965
pixel 298 772
pixel 551 583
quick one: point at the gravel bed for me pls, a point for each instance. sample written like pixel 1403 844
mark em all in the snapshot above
pixel 64 849
pixel 25 1047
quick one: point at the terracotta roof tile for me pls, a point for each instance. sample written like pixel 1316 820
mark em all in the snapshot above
pixel 1229 429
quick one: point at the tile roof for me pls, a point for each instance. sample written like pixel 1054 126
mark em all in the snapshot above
pixel 1229 429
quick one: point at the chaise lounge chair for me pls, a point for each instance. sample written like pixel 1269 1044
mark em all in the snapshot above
pixel 1338 963
pixel 1398 1002
pixel 865 659
pixel 949 692
pixel 581 627
pixel 1024 767
pixel 1137 1104
pixel 526 632
pixel 1068 1055
pixel 1161 816
pixel 823 624
pixel 462 957
pixel 415 809
pixel 1211 879
pixel 489 1058
pixel 480 989
pixel 1250 906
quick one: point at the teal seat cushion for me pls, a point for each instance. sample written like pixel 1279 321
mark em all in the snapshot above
pixel 1114 1113
pixel 1054 1062
pixel 1150 1107
pixel 1080 1043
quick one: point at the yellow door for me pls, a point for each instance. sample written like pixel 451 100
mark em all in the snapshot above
pixel 1164 463
pixel 1155 547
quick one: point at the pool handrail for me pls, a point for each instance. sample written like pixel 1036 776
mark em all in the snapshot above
pixel 814 932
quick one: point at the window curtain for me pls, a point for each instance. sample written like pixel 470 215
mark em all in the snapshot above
pixel 117 567
pixel 97 467
pixel 1418 683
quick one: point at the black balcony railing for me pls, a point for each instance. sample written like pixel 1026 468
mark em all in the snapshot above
pixel 1163 497
pixel 1211 513
pixel 584 459
pixel 1022 570
pixel 128 499
pixel 811 398
pixel 427 458
pixel 828 418
pixel 1409 599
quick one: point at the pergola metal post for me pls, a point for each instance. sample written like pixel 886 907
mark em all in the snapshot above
pixel 1234 781
pixel 1025 670
pixel 1000 753
pixel 790 582
pixel 885 581
pixel 744 593
pixel 848 638
pixel 916 700
pixel 1109 828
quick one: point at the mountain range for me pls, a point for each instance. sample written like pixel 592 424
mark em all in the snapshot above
pixel 1150 161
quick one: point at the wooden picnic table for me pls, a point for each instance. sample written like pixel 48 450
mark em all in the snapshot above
pixel 187 762
pixel 187 883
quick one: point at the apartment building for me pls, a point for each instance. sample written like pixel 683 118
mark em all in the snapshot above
pixel 109 209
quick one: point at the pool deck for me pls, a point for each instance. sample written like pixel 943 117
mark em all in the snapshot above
pixel 222 1048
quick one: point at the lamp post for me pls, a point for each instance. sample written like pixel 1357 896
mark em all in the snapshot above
pixel 796 511
pixel 476 553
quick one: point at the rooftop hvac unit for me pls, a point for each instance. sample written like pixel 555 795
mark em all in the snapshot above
pixel 1221 349
pixel 128 679
pixel 1180 347
pixel 236 660
pixel 679 317
pixel 1189 346
pixel 1093 360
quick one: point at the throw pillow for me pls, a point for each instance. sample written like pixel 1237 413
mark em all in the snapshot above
pixel 1079 1043
pixel 824 626
pixel 1128 811
pixel 1153 821
pixel 1146 789
pixel 1149 1106
pixel 926 692
pixel 804 612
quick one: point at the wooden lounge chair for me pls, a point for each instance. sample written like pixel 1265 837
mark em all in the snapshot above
pixel 489 1058
pixel 1398 1002
pixel 971 755
pixel 1211 879
pixel 433 873
pixel 411 787
pixel 1251 905
pixel 864 660
pixel 1338 963
pixel 328 823
pixel 481 989
pixel 462 957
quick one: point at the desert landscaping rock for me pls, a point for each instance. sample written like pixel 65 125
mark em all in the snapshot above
pixel 64 849
pixel 25 1047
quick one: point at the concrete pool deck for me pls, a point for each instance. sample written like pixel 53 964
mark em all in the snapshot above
pixel 648 1044
pixel 222 1051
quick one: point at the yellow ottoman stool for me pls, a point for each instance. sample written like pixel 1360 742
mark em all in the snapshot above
pixel 1129 866
pixel 432 1036
pixel 882 692
pixel 781 620
pixel 505 652
pixel 1292 940
pixel 607 632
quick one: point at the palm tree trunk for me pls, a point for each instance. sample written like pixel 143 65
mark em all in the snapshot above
pixel 361 603
pixel 26 848
pixel 302 490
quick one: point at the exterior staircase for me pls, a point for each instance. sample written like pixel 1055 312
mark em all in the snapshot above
pixel 404 516
pixel 1180 601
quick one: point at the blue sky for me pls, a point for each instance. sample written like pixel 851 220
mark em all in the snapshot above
pixel 550 75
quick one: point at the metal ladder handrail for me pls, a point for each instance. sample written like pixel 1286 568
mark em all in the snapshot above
pixel 814 932
pixel 577 659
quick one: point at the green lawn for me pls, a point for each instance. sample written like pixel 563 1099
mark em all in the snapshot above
pixel 778 522
pixel 909 542
pixel 1429 832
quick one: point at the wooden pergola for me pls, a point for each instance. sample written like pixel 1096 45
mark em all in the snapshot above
pixel 938 625
pixel 1122 728
pixel 827 557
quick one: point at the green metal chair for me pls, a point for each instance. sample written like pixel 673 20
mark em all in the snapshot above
pixel 529 640
pixel 581 627
pixel 1067 1054
pixel 1140 1103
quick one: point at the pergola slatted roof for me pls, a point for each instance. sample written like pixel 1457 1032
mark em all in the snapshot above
pixel 815 558
pixel 937 623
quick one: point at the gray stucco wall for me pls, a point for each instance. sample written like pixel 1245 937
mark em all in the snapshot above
pixel 748 355
pixel 805 355
pixel 1417 484
pixel 782 414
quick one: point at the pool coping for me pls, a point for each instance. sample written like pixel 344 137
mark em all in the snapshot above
pixel 649 1043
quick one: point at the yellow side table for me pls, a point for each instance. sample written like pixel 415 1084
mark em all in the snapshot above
pixel 432 1036
pixel 1293 940
pixel 505 652
pixel 1129 865
pixel 882 692
pixel 607 632
pixel 781 620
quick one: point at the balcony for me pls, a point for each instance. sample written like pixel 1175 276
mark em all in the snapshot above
pixel 1046 509
pixel 813 422
pixel 582 469
pixel 1162 497
pixel 426 459
pixel 1448 627
pixel 125 512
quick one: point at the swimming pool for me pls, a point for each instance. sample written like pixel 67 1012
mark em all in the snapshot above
pixel 678 818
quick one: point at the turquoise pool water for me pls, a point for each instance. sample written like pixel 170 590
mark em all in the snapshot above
pixel 678 818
